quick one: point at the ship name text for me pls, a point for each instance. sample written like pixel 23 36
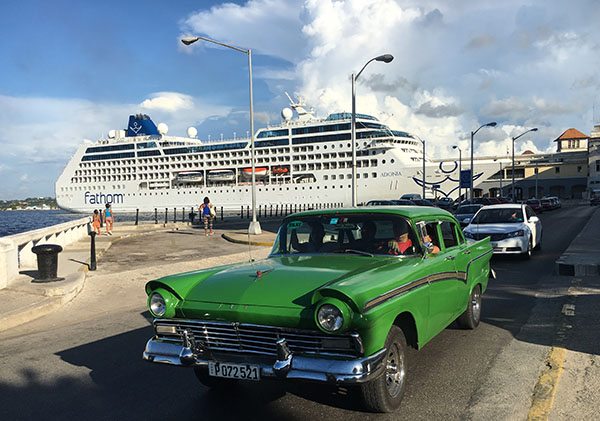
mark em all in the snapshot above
pixel 101 198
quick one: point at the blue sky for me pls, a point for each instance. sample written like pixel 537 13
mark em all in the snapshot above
pixel 73 70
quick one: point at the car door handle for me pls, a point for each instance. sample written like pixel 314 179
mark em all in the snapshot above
pixel 450 258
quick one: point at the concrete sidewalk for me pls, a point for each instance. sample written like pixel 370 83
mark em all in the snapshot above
pixel 25 300
pixel 575 389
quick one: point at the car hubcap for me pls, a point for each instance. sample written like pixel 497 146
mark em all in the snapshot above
pixel 476 305
pixel 394 371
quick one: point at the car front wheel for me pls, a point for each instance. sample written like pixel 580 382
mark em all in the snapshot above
pixel 472 315
pixel 384 394
pixel 527 254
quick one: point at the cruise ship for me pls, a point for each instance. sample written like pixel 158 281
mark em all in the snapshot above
pixel 304 160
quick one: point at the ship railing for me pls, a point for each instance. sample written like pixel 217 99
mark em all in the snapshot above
pixel 15 250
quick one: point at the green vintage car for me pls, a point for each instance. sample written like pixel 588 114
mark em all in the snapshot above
pixel 342 295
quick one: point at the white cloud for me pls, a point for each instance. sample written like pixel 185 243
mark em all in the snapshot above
pixel 168 101
pixel 269 27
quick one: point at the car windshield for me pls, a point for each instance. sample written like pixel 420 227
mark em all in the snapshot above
pixel 499 216
pixel 368 235
pixel 468 209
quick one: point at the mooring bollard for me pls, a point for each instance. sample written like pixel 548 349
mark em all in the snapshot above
pixel 92 265
pixel 47 261
pixel 155 216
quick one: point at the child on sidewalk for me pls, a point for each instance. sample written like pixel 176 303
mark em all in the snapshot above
pixel 96 222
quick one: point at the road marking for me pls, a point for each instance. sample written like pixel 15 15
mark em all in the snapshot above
pixel 568 309
pixel 545 389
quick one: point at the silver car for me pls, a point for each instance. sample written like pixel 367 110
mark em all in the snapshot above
pixel 512 228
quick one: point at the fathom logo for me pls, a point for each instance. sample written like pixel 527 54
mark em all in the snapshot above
pixel 101 198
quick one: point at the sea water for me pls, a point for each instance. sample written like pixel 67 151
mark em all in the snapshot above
pixel 14 222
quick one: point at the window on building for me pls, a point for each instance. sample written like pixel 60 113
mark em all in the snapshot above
pixel 556 170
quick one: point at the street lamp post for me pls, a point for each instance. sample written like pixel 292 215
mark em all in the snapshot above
pixel 459 168
pixel 386 58
pixel 254 227
pixel 423 142
pixel 512 188
pixel 492 124
pixel 501 174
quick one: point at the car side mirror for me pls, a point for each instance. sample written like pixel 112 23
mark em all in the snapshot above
pixel 534 219
pixel 467 220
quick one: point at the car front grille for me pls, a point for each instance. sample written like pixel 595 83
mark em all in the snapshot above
pixel 259 339
pixel 493 237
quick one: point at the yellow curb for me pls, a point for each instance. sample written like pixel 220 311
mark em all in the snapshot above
pixel 252 243
pixel 547 385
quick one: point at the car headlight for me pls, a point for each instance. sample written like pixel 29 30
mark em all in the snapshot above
pixel 468 234
pixel 330 318
pixel 157 305
pixel 519 233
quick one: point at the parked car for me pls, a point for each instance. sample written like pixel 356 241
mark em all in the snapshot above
pixel 398 202
pixel 512 228
pixel 547 204
pixel 535 204
pixel 445 203
pixel 422 202
pixel 410 196
pixel 555 202
pixel 339 300
pixel 465 213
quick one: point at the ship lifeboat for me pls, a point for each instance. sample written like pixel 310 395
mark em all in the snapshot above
pixel 189 177
pixel 280 170
pixel 258 171
pixel 220 176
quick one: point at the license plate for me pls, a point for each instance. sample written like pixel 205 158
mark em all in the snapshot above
pixel 234 371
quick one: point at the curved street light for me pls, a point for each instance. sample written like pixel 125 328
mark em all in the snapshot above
pixel 459 169
pixel 254 227
pixel 512 186
pixel 386 58
pixel 492 124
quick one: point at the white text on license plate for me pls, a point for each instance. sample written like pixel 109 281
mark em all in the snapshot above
pixel 234 371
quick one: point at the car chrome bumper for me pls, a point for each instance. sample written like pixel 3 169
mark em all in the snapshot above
pixel 287 365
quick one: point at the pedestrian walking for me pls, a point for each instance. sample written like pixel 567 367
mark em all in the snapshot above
pixel 109 218
pixel 96 222
pixel 207 212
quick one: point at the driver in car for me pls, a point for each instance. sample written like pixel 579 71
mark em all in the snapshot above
pixel 400 244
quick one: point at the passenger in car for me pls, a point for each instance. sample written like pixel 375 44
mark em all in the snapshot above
pixel 367 237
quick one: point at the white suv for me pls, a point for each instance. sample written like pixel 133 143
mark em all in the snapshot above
pixel 512 228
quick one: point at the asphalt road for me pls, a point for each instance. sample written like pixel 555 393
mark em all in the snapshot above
pixel 85 360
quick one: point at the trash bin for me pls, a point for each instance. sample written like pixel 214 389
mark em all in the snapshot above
pixel 47 260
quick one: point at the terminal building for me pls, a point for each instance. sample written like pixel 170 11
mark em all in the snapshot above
pixel 572 172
